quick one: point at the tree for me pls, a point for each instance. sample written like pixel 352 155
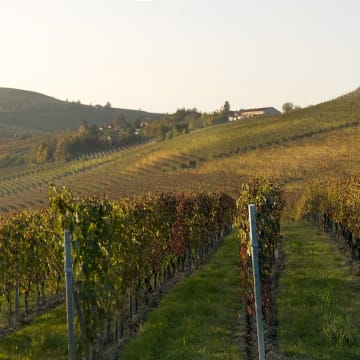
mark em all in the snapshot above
pixel 120 122
pixel 226 107
pixel 108 105
pixel 84 128
pixel 93 131
pixel 137 123
pixel 161 132
pixel 194 121
pixel 287 107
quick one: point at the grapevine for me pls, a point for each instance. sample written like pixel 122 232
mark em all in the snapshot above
pixel 118 246
pixel 335 206
pixel 268 199
pixel 122 249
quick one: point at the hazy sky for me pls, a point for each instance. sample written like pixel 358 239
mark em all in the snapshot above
pixel 160 55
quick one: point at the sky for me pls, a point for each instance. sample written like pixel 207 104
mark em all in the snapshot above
pixel 162 55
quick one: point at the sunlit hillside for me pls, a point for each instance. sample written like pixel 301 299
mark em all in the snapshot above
pixel 321 140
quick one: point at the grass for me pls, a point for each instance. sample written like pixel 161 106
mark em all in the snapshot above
pixel 44 339
pixel 51 299
pixel 318 303
pixel 194 320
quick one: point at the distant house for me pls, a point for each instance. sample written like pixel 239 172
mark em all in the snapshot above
pixel 248 113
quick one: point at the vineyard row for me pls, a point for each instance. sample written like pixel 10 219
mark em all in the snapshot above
pixel 335 205
pixel 122 249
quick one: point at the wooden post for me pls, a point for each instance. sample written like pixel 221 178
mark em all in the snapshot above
pixel 69 296
pixel 257 290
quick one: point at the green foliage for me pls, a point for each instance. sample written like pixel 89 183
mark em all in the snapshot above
pixel 30 255
pixel 335 205
pixel 87 140
pixel 183 121
pixel 226 107
pixel 118 244
pixel 198 313
pixel 287 107
pixel 267 196
pixel 120 122
pixel 172 125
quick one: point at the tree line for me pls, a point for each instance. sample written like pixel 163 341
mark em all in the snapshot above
pixel 87 139
pixel 185 120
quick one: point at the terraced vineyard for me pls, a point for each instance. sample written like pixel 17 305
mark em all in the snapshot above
pixel 295 147
pixel 150 167
pixel 29 188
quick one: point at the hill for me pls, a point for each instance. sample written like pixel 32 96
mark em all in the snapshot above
pixel 22 110
pixel 296 147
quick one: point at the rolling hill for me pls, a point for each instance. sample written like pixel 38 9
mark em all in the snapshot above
pixel 297 147
pixel 22 110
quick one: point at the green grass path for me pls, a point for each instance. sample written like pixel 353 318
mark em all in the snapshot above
pixel 194 320
pixel 319 301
